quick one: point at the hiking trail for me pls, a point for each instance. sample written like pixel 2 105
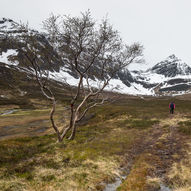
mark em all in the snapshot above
pixel 161 143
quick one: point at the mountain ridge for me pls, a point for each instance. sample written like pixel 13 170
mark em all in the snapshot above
pixel 171 76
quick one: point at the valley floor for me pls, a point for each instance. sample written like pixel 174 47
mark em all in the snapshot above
pixel 134 142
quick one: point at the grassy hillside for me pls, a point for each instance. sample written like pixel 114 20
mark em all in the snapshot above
pixel 133 137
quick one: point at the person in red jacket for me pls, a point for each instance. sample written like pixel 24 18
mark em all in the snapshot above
pixel 171 107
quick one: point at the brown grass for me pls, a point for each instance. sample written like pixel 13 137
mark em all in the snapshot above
pixel 180 173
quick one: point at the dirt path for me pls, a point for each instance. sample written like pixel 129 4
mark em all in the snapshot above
pixel 160 147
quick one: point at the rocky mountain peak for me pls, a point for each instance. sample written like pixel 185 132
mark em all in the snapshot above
pixel 171 67
pixel 173 57
pixel 3 20
pixel 8 25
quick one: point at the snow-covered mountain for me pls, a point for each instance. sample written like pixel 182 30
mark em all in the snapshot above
pixel 172 67
pixel 169 77
pixel 8 25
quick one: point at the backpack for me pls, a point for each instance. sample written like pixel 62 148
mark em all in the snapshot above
pixel 172 105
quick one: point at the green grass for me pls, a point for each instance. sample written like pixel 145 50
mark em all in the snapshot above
pixel 137 123
pixel 185 127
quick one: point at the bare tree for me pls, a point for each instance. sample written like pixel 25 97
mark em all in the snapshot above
pixel 94 52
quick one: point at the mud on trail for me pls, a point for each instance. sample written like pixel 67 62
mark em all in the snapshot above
pixel 148 162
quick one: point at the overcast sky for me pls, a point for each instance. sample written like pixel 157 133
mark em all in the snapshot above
pixel 162 26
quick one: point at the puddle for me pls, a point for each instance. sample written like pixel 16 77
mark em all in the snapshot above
pixel 6 131
pixel 40 130
pixel 113 186
pixel 118 182
pixel 35 128
pixel 7 127
pixel 36 123
pixel 164 188
pixel 7 112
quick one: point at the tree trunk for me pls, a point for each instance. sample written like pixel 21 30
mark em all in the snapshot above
pixel 72 136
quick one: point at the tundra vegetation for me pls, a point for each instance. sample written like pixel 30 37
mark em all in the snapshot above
pixel 132 137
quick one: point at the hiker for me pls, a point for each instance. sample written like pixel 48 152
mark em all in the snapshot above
pixel 171 107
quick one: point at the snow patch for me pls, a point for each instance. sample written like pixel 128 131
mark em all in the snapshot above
pixel 5 57
pixel 135 89
pixel 115 85
pixel 63 76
